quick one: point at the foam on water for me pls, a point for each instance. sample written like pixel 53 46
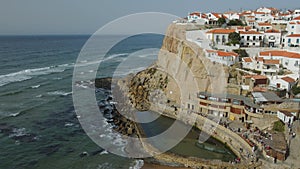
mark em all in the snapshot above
pixel 30 73
pixel 59 93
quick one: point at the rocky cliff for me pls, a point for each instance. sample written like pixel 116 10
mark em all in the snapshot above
pixel 186 69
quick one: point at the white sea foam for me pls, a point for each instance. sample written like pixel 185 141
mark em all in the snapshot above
pixel 35 87
pixel 30 73
pixel 87 63
pixel 59 93
pixel 39 96
pixel 138 164
pixel 104 152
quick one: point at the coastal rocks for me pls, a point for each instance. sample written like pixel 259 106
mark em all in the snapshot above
pixel 142 86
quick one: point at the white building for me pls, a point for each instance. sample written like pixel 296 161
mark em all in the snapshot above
pixel 248 63
pixel 267 10
pixel 293 27
pixel 283 83
pixel 296 13
pixel 289 60
pixel 272 38
pixel 263 17
pixel 197 17
pixel 225 58
pixel 262 27
pixel 232 15
pixel 285 116
pixel 251 39
pixel 219 36
pixel 292 40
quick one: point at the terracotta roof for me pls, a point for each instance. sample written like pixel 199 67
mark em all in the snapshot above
pixel 292 23
pixel 288 79
pixel 259 77
pixel 264 24
pixel 294 35
pixel 250 32
pixel 271 62
pixel 297 18
pixel 225 54
pixel 280 53
pixel 247 59
pixel 272 31
pixel 259 89
pixel 222 53
pixel 259 13
pixel 195 13
pixel 216 15
pixel 250 16
pixel 251 20
pixel 221 31
pixel 260 59
pixel 256 77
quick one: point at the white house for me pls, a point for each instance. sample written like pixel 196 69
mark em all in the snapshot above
pixel 296 13
pixel 251 38
pixel 263 17
pixel 292 40
pixel 219 36
pixel 231 15
pixel 285 116
pixel 293 27
pixel 283 83
pixel 289 60
pixel 225 58
pixel 248 63
pixel 267 10
pixel 268 67
pixel 272 38
pixel 197 17
pixel 261 27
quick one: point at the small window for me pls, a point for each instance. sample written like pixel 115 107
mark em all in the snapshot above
pixel 253 44
pixel 297 41
pixel 292 27
pixel 289 40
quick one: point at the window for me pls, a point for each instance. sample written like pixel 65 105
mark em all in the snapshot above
pixel 292 27
pixel 248 37
pixel 253 44
pixel 289 40
pixel 297 41
pixel 260 37
pixel 254 37
pixel 242 37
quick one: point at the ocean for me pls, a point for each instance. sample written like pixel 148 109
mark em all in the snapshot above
pixel 38 125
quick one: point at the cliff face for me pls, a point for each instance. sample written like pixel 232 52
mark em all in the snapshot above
pixel 186 63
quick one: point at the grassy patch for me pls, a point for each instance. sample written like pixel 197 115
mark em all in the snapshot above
pixel 279 126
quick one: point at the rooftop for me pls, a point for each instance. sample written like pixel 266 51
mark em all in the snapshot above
pixel 265 97
pixel 288 79
pixel 280 53
pixel 221 31
pixel 250 32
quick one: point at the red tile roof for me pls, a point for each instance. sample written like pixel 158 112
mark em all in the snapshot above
pixel 288 79
pixel 260 59
pixel 221 31
pixel 216 15
pixel 247 59
pixel 222 53
pixel 264 24
pixel 272 31
pixel 294 35
pixel 271 62
pixel 280 53
pixel 297 18
pixel 250 32
pixel 259 77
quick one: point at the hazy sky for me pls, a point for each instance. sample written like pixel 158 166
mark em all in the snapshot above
pixel 87 16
